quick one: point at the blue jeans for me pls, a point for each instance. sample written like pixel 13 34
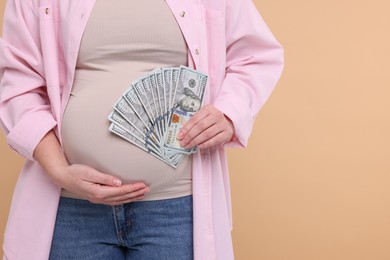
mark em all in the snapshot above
pixel 149 230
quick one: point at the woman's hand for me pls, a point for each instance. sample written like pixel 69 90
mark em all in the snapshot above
pixel 208 127
pixel 82 180
pixel 97 187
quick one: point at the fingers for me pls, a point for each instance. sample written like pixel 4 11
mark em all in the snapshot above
pixel 202 120
pixel 201 132
pixel 199 116
pixel 220 138
pixel 91 175
pixel 107 194
pixel 101 188
pixel 209 127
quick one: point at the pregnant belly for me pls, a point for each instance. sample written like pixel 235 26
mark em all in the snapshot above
pixel 86 140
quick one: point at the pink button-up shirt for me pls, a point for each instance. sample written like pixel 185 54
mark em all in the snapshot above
pixel 227 39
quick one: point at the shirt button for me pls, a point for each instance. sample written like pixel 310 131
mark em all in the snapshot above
pixel 197 51
pixel 182 13
pixel 47 10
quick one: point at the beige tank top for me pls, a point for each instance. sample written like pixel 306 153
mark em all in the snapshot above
pixel 122 41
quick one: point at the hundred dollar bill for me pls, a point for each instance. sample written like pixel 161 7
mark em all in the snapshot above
pixel 119 120
pixel 174 157
pixel 151 97
pixel 175 77
pixel 162 94
pixel 115 129
pixel 127 136
pixel 145 81
pixel 167 75
pixel 157 101
pixel 173 82
pixel 153 109
pixel 187 101
pixel 177 159
pixel 143 97
pixel 124 109
pixel 132 99
pixel 116 118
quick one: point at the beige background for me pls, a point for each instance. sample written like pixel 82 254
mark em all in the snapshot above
pixel 314 183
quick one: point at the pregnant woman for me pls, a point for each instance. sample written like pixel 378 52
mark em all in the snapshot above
pixel 87 194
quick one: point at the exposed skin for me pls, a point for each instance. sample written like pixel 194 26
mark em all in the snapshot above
pixel 82 180
pixel 207 128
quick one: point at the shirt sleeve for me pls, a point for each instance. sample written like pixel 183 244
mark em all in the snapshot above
pixel 25 111
pixel 254 63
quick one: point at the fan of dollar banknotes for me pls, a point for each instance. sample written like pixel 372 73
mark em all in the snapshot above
pixel 151 112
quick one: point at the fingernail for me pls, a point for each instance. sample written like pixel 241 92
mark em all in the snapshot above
pixel 180 135
pixel 117 182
